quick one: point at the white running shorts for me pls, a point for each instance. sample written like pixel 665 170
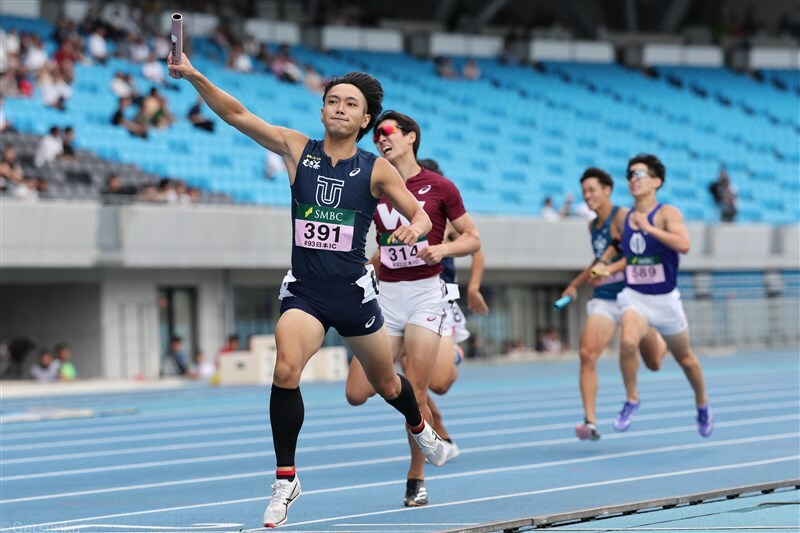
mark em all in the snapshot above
pixel 412 302
pixel 606 308
pixel 663 311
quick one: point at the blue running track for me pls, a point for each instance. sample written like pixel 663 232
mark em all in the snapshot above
pixel 198 458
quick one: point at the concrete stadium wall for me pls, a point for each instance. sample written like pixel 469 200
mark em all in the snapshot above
pixel 90 275
pixel 73 234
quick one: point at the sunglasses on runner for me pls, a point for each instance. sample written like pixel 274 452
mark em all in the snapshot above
pixel 386 130
pixel 637 174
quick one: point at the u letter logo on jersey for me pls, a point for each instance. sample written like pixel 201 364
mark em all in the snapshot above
pixel 329 191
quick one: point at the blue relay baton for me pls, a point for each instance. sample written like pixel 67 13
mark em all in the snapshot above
pixel 562 302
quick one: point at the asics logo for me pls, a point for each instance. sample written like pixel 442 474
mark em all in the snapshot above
pixel 355 172
pixel 424 190
pixel 370 322
pixel 431 318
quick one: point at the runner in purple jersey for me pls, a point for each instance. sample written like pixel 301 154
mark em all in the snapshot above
pixel 653 236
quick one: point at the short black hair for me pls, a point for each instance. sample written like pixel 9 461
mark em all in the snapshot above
pixel 602 176
pixel 406 124
pixel 372 90
pixel 431 165
pixel 61 346
pixel 654 165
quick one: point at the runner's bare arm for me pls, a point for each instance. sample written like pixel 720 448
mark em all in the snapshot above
pixel 475 300
pixel 283 141
pixel 467 242
pixel 669 228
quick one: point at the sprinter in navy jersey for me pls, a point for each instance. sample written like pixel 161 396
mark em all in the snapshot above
pixel 603 316
pixel 652 237
pixel 335 189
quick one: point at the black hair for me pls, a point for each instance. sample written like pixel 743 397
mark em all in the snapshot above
pixel 601 175
pixel 61 346
pixel 406 123
pixel 370 87
pixel 431 165
pixel 654 165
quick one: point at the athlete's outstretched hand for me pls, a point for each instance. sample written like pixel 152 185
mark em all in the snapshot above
pixel 432 255
pixel 476 303
pixel 184 70
pixel 405 234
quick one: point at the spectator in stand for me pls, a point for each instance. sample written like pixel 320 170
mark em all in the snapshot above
pixel 238 60
pixel 222 37
pixel 166 192
pixel 250 46
pixel 154 110
pixel 182 193
pixel 566 209
pixel 548 212
pixel 114 186
pixel 201 368
pixel 66 57
pixel 12 42
pixel 153 70
pixel 161 44
pixel 68 142
pixel 148 194
pixel 471 70
pixel 35 55
pixel 232 344
pixel 725 195
pixel 138 50
pixel 46 368
pixel 444 68
pixel 28 189
pixel 194 194
pixel 96 44
pixel 175 362
pixel 5 124
pixel 274 165
pixel 54 89
pixel 264 57
pixel 50 146
pixel 66 370
pixel 312 80
pixel 10 168
pixel 551 341
pixel 197 118
pixel 119 119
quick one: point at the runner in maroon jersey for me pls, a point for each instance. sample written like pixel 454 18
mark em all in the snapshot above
pixel 413 298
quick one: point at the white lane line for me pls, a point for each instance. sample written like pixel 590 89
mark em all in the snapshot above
pixel 323 416
pixel 266 473
pixel 734 466
pixel 521 410
pixel 394 427
pixel 790 458
pixel 461 437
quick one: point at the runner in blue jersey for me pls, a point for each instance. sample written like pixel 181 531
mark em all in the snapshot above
pixel 335 189
pixel 652 237
pixel 603 314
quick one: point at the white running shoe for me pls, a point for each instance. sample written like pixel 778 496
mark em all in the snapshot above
pixel 431 444
pixel 284 493
pixel 452 450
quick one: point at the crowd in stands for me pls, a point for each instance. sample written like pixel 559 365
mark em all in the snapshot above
pixel 51 365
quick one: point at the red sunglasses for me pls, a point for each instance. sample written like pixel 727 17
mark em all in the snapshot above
pixel 386 130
